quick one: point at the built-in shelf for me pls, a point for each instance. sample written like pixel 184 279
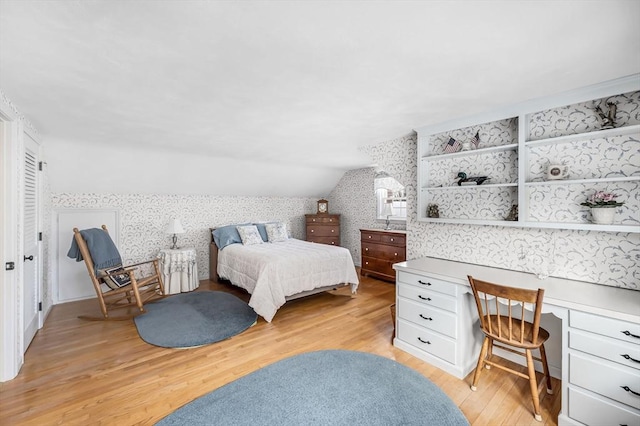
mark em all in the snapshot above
pixel 567 128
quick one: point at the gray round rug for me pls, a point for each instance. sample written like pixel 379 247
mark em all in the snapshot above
pixel 331 387
pixel 194 319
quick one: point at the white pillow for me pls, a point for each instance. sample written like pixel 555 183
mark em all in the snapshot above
pixel 276 232
pixel 249 234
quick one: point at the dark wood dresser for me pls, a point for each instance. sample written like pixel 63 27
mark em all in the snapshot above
pixel 323 228
pixel 380 250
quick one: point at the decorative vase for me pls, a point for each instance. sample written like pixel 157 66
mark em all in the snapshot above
pixel 603 215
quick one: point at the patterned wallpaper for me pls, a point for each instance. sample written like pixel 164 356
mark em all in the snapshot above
pixel 606 258
pixel 143 218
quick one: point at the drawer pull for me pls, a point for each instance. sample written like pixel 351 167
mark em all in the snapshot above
pixel 627 388
pixel 625 356
pixel 428 299
pixel 428 283
pixel 424 341
pixel 312 231
pixel 426 318
pixel 391 239
pixel 367 249
pixel 628 333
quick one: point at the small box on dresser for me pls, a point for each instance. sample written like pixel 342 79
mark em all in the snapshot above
pixel 380 250
pixel 323 228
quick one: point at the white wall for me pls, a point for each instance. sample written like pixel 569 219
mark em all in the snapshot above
pixel 143 219
pixel 598 257
pixel 85 168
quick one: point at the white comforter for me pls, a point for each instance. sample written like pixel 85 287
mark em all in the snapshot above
pixel 272 271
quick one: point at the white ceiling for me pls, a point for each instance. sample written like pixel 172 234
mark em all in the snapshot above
pixel 274 84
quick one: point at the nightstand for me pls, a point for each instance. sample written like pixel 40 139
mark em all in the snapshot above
pixel 179 270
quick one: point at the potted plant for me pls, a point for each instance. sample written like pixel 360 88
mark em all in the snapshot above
pixel 603 207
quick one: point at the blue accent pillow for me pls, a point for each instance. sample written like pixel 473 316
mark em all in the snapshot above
pixel 226 235
pixel 262 229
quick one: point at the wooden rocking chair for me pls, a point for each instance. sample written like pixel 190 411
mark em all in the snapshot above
pixel 118 287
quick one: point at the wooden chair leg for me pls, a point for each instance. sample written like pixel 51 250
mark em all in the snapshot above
pixel 545 366
pixel 533 384
pixel 489 354
pixel 481 358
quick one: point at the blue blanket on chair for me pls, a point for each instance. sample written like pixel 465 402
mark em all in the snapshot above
pixel 103 251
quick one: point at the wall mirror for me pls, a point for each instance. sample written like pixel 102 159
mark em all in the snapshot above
pixel 391 198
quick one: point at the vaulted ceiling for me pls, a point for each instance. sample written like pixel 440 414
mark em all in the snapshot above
pixel 276 97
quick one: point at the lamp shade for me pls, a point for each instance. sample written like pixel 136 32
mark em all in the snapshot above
pixel 387 210
pixel 175 227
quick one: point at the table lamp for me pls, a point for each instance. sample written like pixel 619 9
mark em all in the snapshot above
pixel 388 212
pixel 175 227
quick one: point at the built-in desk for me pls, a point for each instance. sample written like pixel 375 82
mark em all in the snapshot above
pixel 599 333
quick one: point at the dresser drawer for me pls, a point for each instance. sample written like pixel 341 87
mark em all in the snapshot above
pixel 427 341
pixel 429 283
pixel 430 298
pixel 593 411
pixel 332 241
pixel 426 316
pixel 381 251
pixel 370 236
pixel 393 239
pixel 617 329
pixel 614 350
pixel 605 379
pixel 323 219
pixel 378 265
pixel 322 230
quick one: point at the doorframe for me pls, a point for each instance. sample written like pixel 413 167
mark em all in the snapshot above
pixel 11 340
pixel 12 345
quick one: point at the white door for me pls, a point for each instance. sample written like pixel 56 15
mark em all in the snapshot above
pixel 31 259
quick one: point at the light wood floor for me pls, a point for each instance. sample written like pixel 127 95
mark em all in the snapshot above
pixel 79 372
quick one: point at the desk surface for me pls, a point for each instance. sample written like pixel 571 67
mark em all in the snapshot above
pixel 595 298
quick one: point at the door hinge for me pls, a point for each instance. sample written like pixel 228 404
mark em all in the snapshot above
pixel 39 306
pixel 9 266
pixel 39 236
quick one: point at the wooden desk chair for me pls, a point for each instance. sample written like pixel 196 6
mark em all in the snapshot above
pixel 496 305
pixel 118 287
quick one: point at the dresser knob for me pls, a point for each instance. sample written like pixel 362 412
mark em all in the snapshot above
pixel 391 239
pixel 367 249
pixel 312 230
pixel 395 254
pixel 426 318
pixel 424 341
pixel 369 236
pixel 423 283
pixel 333 230
pixel 628 333
pixel 366 263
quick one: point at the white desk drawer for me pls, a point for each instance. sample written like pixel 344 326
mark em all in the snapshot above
pixel 427 341
pixel 613 350
pixel 594 411
pixel 428 283
pixel 605 379
pixel 426 297
pixel 617 329
pixel 426 316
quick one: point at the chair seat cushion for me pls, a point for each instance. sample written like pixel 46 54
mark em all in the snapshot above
pixel 500 332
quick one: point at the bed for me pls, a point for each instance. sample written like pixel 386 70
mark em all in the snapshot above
pixel 276 271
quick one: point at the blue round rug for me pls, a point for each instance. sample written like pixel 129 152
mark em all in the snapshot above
pixel 194 319
pixel 332 387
